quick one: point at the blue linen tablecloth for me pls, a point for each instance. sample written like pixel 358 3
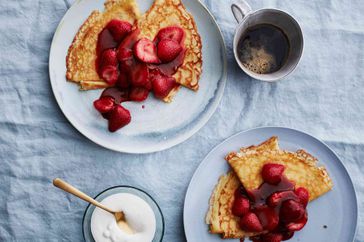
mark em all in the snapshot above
pixel 324 96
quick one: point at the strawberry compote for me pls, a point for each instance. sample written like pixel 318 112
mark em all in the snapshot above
pixel 275 210
pixel 133 66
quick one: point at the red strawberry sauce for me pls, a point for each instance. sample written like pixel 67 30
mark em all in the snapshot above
pixel 279 207
pixel 133 71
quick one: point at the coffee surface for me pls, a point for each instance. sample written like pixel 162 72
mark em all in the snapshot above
pixel 263 48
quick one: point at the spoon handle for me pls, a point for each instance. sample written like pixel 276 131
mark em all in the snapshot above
pixel 74 191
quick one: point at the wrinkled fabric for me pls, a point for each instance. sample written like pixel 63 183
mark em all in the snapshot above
pixel 324 96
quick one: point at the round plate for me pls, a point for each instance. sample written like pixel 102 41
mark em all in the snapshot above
pixel 86 221
pixel 336 209
pixel 155 125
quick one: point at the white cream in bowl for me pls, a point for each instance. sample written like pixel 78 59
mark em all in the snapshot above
pixel 138 214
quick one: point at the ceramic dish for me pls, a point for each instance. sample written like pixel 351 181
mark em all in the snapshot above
pixel 86 222
pixel 332 217
pixel 176 121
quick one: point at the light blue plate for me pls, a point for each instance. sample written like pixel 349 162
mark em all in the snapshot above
pixel 157 126
pixel 86 221
pixel 337 209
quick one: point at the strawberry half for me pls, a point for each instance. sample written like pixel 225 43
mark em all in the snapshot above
pixel 124 54
pixel 109 74
pixel 146 51
pixel 278 197
pixel 162 84
pixel 108 58
pixel 291 211
pixel 104 104
pixel 168 50
pixel 250 222
pixel 119 29
pixel 272 173
pixel 303 195
pixel 298 225
pixel 268 218
pixel 139 76
pixel 138 94
pixel 118 118
pixel 172 32
pixel 241 206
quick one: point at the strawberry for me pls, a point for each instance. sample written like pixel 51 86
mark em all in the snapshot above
pixel 278 197
pixel 108 58
pixel 241 206
pixel 162 84
pixel 124 54
pixel 172 32
pixel 138 94
pixel 119 95
pixel 146 51
pixel 303 195
pixel 104 104
pixel 298 225
pixel 139 76
pixel 272 173
pixel 119 29
pixel 122 81
pixel 268 218
pixel 168 50
pixel 109 74
pixel 291 211
pixel 250 223
pixel 118 118
pixel 272 237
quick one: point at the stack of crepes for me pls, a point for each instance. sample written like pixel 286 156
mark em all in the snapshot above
pixel 81 58
pixel 301 168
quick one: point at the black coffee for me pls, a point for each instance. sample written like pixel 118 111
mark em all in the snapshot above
pixel 263 48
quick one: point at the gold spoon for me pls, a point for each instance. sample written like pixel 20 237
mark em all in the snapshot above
pixel 119 216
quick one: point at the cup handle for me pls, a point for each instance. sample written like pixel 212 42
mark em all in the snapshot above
pixel 240 10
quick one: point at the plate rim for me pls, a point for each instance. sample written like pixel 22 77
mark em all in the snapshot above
pixel 180 139
pixel 274 127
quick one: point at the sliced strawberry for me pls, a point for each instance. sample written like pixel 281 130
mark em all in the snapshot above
pixel 291 211
pixel 139 76
pixel 138 94
pixel 298 225
pixel 272 237
pixel 123 80
pixel 303 195
pixel 278 197
pixel 130 39
pixel 268 218
pixel 118 118
pixel 109 74
pixel 124 54
pixel 172 32
pixel 241 206
pixel 168 50
pixel 162 85
pixel 119 95
pixel 104 104
pixel 119 29
pixel 272 173
pixel 146 51
pixel 108 58
pixel 250 222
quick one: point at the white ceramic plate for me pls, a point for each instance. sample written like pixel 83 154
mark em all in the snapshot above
pixel 337 209
pixel 157 126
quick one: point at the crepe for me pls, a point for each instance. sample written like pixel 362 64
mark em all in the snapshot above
pixel 220 217
pixel 81 57
pixel 165 13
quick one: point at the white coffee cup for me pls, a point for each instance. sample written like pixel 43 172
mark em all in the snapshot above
pixel 247 18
